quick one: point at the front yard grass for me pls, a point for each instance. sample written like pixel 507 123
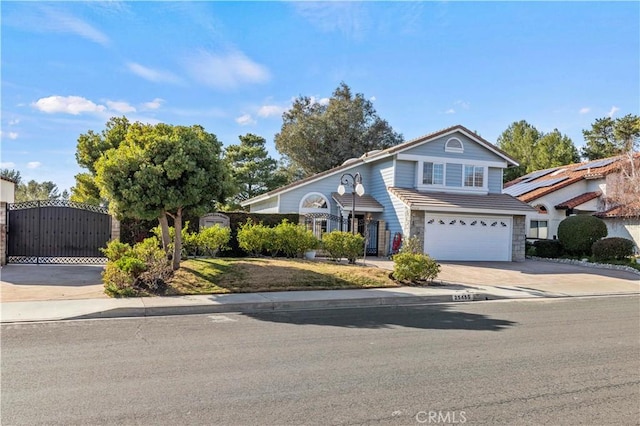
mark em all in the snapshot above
pixel 248 275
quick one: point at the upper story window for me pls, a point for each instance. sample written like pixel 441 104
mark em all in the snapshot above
pixel 454 145
pixel 433 173
pixel 473 176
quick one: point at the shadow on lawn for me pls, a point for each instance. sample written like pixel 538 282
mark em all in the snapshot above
pixel 437 316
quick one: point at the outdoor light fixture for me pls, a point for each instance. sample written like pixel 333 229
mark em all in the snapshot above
pixel 355 181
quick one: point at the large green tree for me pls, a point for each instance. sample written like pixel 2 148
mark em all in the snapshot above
pixel 535 150
pixel 253 171
pixel 160 171
pixel 317 136
pixel 90 147
pixel 609 137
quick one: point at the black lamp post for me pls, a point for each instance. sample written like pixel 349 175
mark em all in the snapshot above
pixel 355 181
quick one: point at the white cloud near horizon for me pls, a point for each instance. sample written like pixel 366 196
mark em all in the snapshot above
pixel 270 111
pixel 450 111
pixel 154 104
pixel 33 164
pixel 7 165
pixel 120 106
pixel 153 75
pixel 226 71
pixel 73 105
pixel 245 120
pixel 585 110
pixel 613 110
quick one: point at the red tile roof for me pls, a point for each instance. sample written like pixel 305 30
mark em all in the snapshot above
pixel 580 199
pixel 571 174
pixel 613 212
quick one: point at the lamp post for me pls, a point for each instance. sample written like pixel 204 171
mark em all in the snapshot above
pixel 355 181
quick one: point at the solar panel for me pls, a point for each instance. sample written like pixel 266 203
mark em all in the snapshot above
pixel 522 188
pixel 536 175
pixel 596 164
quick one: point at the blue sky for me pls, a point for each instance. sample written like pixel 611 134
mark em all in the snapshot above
pixel 234 67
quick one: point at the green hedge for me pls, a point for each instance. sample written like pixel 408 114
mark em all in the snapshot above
pixel 548 248
pixel 578 233
pixel 612 248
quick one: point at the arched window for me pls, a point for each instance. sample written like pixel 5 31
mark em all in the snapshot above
pixel 314 203
pixel 541 209
pixel 454 145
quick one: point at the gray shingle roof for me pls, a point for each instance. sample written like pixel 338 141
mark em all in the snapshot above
pixel 364 203
pixel 442 201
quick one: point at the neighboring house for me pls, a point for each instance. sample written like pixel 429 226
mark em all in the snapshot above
pixel 444 188
pixel 579 188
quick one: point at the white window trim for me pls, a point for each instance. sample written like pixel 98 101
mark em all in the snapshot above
pixel 485 178
pixel 463 161
pixel 431 185
pixel 312 210
pixel 448 148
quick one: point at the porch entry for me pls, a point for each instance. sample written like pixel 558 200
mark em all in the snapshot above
pixel 320 223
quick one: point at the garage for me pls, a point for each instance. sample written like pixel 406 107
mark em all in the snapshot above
pixel 468 237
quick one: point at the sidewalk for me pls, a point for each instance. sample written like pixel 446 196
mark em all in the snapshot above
pixel 463 282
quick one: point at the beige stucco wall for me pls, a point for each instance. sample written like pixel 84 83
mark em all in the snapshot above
pixel 7 191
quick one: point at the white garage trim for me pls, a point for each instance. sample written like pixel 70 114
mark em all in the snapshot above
pixel 468 237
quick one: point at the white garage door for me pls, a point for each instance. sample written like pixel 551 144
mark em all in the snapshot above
pixel 449 237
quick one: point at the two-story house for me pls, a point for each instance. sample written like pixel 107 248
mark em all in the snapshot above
pixel 444 188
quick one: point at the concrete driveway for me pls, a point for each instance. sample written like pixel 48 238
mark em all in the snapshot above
pixel 50 282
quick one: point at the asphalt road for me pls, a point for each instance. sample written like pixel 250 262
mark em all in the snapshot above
pixel 560 362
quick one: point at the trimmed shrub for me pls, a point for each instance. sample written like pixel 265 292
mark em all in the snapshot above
pixel 612 248
pixel 411 245
pixel 341 244
pixel 414 267
pixel 254 238
pixel 213 239
pixel 547 248
pixel 137 270
pixel 578 233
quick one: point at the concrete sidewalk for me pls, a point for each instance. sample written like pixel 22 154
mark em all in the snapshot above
pixel 470 281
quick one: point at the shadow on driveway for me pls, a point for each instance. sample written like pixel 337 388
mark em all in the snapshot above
pixel 437 316
pixel 52 275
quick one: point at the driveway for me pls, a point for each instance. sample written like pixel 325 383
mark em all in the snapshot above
pixel 539 276
pixel 50 282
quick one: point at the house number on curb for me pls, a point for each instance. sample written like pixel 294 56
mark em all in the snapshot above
pixel 463 297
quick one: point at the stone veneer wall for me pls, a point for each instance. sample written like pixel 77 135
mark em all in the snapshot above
pixel 3 233
pixel 416 228
pixel 518 248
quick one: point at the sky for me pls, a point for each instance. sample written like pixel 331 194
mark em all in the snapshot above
pixel 235 67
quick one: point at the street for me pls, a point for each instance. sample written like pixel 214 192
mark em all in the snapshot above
pixel 551 361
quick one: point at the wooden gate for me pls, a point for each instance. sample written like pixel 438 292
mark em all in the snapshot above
pixel 57 231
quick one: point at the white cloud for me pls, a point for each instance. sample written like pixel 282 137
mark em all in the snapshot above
pixel 33 164
pixel 14 122
pixel 462 104
pixel 270 111
pixel 349 18
pixel 156 76
pixel 226 71
pixel 7 165
pixel 372 99
pixel 613 110
pixel 245 120
pixel 57 21
pixel 154 104
pixel 74 105
pixel 10 135
pixel 120 106
pixel 450 111
pixel 585 110
pixel 314 100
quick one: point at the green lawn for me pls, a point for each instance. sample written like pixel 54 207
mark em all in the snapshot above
pixel 246 275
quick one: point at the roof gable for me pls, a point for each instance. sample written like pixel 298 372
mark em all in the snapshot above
pixel 375 156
